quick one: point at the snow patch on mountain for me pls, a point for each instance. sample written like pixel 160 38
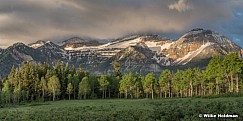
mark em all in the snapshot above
pixel 166 46
pixel 85 48
pixel 124 44
pixel 36 45
pixel 151 44
pixel 114 44
pixel 187 58
pixel 162 60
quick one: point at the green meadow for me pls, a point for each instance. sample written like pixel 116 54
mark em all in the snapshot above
pixel 176 109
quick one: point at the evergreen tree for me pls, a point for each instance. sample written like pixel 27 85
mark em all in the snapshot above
pixel 72 70
pixel 94 85
pixel 114 85
pixel 81 73
pixel 41 69
pixel 12 80
pixel 60 73
pixel 26 75
pixel 116 65
pixel 75 82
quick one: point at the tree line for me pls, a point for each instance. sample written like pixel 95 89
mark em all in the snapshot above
pixel 43 82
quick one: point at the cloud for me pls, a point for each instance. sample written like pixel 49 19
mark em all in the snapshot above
pixel 181 6
pixel 31 20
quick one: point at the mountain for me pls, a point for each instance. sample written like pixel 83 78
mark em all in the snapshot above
pixel 76 43
pixel 53 52
pixel 133 58
pixel 199 44
pixel 18 53
pixel 154 42
pixel 140 53
pixel 49 49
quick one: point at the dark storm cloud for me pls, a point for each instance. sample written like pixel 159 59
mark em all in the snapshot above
pixel 30 20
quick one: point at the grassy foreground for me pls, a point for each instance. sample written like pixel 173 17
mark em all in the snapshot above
pixel 184 109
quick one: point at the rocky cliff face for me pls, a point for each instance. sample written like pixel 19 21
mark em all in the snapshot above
pixel 77 42
pixel 199 44
pixel 136 58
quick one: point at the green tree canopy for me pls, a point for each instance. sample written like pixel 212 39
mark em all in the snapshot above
pixel 54 86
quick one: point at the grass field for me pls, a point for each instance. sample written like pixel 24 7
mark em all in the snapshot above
pixel 125 110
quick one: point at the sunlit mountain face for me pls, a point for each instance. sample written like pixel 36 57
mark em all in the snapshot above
pixel 27 21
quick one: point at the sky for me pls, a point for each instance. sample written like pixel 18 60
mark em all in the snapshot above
pixel 30 20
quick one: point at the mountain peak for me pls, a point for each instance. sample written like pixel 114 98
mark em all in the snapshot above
pixel 37 44
pixel 197 29
pixel 41 41
pixel 77 42
pixel 200 44
pixel 18 44
pixel 203 36
pixel 74 40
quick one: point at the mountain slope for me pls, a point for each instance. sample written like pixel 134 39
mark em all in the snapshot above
pixel 199 44
pixel 52 51
pixel 18 53
pixel 133 58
